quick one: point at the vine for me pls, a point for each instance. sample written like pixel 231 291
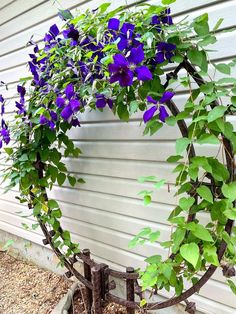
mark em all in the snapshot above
pixel 117 59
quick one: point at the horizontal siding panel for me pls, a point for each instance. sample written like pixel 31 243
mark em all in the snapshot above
pixel 17 8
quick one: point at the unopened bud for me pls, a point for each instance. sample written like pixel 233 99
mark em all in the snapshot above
pixel 190 308
pixel 228 271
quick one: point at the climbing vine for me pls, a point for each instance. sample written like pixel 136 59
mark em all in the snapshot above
pixel 119 59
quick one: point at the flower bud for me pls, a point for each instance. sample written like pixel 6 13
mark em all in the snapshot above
pixel 228 271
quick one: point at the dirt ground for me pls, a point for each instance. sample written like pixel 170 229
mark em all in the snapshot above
pixel 27 289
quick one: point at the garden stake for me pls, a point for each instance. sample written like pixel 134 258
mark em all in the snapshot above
pixel 87 275
pixel 130 289
pixel 96 282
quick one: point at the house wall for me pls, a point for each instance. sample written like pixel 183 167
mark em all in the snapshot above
pixel 106 212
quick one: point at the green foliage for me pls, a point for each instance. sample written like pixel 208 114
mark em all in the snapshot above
pixel 203 183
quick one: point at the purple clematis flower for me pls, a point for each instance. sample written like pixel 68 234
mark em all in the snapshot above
pixel 165 52
pixel 4 134
pixel 20 105
pixel 163 18
pixel 2 105
pixel 70 105
pixel 123 69
pixel 73 34
pixel 126 35
pixel 102 101
pixel 148 114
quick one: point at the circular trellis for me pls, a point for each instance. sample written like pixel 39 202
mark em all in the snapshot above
pixel 101 272
pixel 129 68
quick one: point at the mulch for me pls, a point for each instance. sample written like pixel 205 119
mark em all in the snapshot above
pixel 28 289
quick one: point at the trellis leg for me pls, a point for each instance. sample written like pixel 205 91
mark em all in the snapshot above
pixel 130 289
pixel 96 282
pixel 87 275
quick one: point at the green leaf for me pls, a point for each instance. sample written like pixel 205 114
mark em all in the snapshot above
pixel 182 144
pixel 147 179
pixel 159 184
pixel 223 68
pixel 167 2
pixel 174 158
pixel 147 200
pixel 154 236
pixel 232 286
pixel 218 23
pixel 208 139
pixel 210 254
pixel 66 14
pixel 52 204
pixel 155 259
pixel 8 244
pixel 103 7
pixel 216 113
pixel 72 180
pixel 199 231
pixel 61 177
pixel 177 237
pixel 230 213
pixel 66 235
pixel 186 203
pixel 8 150
pixel 190 252
pixel 205 193
pixel 229 190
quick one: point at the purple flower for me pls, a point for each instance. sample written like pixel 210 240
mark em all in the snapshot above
pixel 20 105
pixel 102 101
pixel 53 30
pixel 4 134
pixel 123 69
pixel 73 104
pixel 148 114
pixel 165 52
pixel 114 24
pixel 69 91
pixel 2 105
pixel 60 102
pixel 163 18
pixel 71 33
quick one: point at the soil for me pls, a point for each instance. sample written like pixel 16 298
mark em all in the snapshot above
pixel 77 306
pixel 27 289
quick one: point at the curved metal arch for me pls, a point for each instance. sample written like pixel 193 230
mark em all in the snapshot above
pixel 222 246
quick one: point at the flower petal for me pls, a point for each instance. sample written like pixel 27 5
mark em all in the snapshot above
pixel 136 55
pixel 127 27
pixel 60 102
pixel 69 91
pixel 120 60
pixel 123 43
pixel 54 30
pixel 75 105
pixel 149 114
pixel 166 97
pixel 151 100
pixel 143 73
pixel 163 113
pixel 101 102
pixel 114 24
pixel 160 57
pixel 67 112
pixel 126 79
pixel 115 78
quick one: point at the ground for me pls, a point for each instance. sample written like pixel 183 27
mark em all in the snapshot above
pixel 27 289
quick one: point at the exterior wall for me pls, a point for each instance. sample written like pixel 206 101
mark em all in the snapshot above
pixel 106 212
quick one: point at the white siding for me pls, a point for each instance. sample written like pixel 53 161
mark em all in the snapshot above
pixel 106 212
